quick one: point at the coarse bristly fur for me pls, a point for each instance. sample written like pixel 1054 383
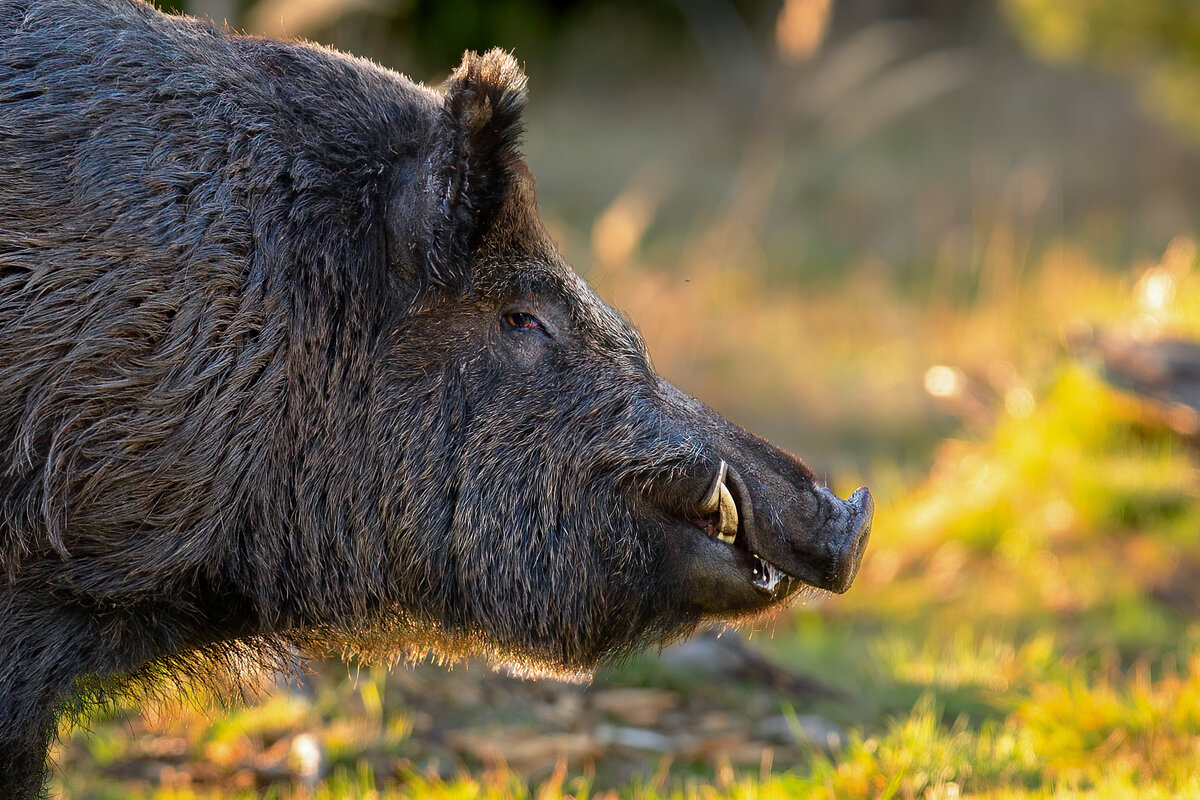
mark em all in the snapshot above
pixel 286 359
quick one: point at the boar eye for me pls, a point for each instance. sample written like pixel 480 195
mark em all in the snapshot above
pixel 520 319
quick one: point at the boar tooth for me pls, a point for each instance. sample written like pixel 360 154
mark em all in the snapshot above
pixel 726 538
pixel 713 498
pixel 729 513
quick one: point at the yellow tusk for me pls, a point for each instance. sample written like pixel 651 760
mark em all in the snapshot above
pixel 729 512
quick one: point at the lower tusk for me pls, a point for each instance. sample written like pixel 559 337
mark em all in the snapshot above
pixel 729 513
pixel 712 499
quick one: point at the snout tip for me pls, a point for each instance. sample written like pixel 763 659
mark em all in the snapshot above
pixel 854 542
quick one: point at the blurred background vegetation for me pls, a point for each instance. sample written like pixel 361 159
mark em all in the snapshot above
pixel 917 242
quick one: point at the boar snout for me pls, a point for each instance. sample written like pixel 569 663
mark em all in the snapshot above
pixel 847 539
pixel 808 535
pixel 768 526
pixel 802 532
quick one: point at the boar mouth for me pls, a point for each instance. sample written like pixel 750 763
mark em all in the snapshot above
pixel 821 548
pixel 728 518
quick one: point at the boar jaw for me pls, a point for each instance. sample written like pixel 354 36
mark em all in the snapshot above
pixel 824 554
pixel 722 523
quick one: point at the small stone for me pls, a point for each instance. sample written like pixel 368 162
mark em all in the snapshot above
pixel 641 708
pixel 634 738
pixel 810 729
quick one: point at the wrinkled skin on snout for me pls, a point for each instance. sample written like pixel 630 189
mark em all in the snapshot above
pixel 287 360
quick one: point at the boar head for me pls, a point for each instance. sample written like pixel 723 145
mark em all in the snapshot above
pixel 563 502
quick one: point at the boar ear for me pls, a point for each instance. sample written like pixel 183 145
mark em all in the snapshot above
pixel 467 167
